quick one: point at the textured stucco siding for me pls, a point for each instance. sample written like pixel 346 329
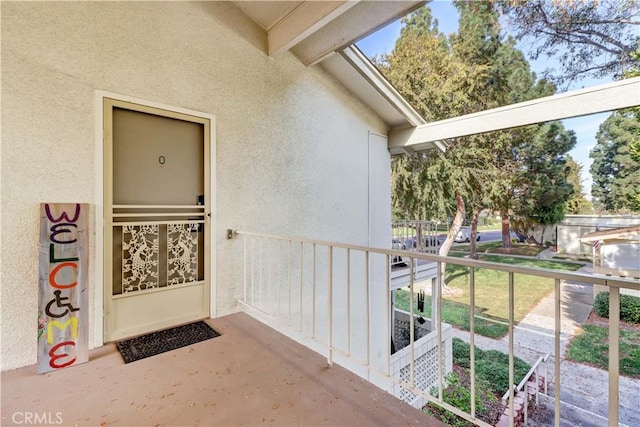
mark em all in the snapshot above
pixel 292 149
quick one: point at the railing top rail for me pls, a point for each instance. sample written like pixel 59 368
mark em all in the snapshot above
pixel 467 262
pixel 526 377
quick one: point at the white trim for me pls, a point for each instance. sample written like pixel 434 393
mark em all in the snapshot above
pixel 359 61
pixel 213 213
pixel 369 207
pixel 98 339
pixel 304 20
pixel 596 99
pixel 152 104
pixel 354 24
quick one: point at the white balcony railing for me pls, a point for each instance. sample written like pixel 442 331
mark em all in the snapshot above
pixel 336 299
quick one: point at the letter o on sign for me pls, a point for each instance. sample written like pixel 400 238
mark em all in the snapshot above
pixel 54 272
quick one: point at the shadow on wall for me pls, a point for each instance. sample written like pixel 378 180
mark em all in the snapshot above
pixel 230 16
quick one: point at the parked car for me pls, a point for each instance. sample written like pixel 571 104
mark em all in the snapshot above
pixel 464 235
pixel 397 244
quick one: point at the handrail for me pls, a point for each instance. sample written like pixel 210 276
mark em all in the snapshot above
pixel 515 389
pixel 526 377
pixel 467 262
pixel 263 273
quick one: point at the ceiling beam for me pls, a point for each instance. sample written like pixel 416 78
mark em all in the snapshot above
pixel 352 25
pixel 596 99
pixel 303 21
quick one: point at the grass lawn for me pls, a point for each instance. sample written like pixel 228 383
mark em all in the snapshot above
pixel 581 258
pixel 496 248
pixel 591 346
pixel 492 295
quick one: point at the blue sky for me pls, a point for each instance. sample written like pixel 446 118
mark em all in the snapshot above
pixel 585 128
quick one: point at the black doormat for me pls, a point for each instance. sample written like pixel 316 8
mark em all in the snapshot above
pixel 159 342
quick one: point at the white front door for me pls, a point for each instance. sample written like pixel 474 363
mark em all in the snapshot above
pixel 157 210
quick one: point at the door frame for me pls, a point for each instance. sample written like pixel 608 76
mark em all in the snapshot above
pixel 97 337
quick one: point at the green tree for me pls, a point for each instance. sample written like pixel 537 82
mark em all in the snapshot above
pixel 615 172
pixel 577 203
pixel 588 38
pixel 543 187
pixel 508 79
pixel 473 70
pixel 423 67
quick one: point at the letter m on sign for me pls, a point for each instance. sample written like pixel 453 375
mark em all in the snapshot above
pixel 63 317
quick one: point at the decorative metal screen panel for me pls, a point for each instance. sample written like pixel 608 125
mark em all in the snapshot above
pixel 157 247
pixel 182 253
pixel 140 258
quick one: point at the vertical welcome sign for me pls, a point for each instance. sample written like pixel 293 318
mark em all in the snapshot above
pixel 63 321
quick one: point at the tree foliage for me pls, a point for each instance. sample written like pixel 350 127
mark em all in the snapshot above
pixel 586 37
pixel 615 168
pixel 577 203
pixel 424 68
pixel 544 187
pixel 472 70
pixel 519 174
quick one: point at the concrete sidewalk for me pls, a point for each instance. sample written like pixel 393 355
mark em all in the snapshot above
pixel 584 389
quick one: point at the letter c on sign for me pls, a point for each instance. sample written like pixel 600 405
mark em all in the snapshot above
pixel 54 272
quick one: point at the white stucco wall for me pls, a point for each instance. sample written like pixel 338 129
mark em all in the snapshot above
pixel 291 143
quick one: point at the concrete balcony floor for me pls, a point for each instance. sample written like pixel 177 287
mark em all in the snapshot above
pixel 249 376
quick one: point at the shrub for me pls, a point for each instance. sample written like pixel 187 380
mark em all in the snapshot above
pixel 491 366
pixel 495 368
pixel 629 307
pixel 601 304
pixel 458 394
pixel 461 353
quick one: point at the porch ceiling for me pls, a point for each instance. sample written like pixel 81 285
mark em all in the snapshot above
pixel 251 375
pixel 323 32
pixel 317 29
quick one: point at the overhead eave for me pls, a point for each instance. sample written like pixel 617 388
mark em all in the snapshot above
pixel 349 26
pixel 354 70
pixel 596 99
pixel 323 32
pixel 371 74
pixel 301 22
pixel 619 235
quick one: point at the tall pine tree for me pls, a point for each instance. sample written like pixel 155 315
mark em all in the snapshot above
pixel 577 203
pixel 443 77
pixel 615 169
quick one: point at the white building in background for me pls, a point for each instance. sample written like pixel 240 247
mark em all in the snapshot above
pixel 615 252
pixel 574 227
